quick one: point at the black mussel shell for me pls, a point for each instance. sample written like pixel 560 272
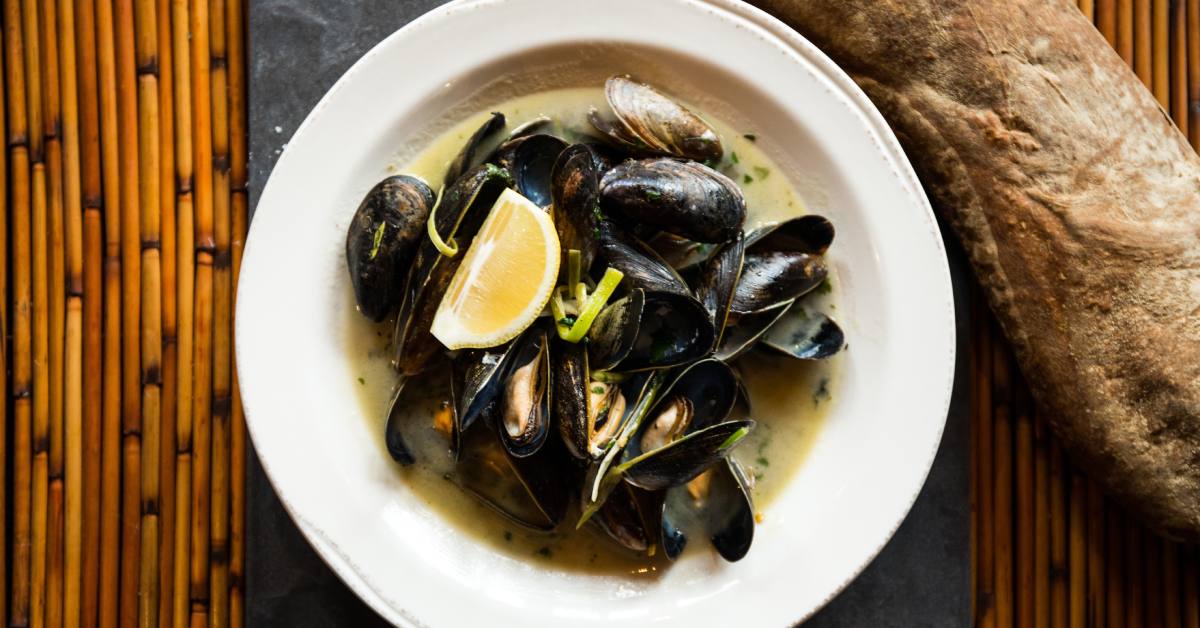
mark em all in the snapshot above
pixel 575 187
pixel 531 159
pixel 718 282
pixel 621 517
pixel 810 234
pixel 741 337
pixel 466 158
pixel 540 124
pixel 728 510
pixel 685 198
pixel 680 461
pixel 649 330
pixel 805 334
pixel 682 254
pixel 660 123
pixel 382 240
pixel 771 278
pixel 571 380
pixel 463 207
pixel 525 400
pixel 477 375
pixel 642 267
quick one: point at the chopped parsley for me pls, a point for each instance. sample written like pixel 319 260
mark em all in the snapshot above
pixel 378 239
pixel 762 172
pixel 747 179
pixel 763 462
pixel 750 136
pixel 544 552
pixel 822 392
pixel 652 195
pixel 362 381
pixel 597 390
pixel 507 536
pixel 733 156
pixel 825 287
pixel 567 320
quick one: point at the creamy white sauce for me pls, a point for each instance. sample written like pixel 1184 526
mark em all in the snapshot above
pixel 789 398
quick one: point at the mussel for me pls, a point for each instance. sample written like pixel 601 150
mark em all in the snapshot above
pixel 648 121
pixel 470 152
pixel 649 330
pixel 685 198
pixel 525 400
pixel 641 265
pixel 587 411
pixel 575 189
pixel 805 334
pixel 531 159
pixel 382 240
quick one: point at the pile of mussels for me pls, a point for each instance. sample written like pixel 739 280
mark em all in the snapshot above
pixel 647 401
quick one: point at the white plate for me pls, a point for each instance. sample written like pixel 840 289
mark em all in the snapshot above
pixel 296 376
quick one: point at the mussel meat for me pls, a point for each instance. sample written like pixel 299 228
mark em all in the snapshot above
pixel 588 412
pixel 382 240
pixel 526 398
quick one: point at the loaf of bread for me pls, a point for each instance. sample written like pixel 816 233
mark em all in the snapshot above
pixel 1078 202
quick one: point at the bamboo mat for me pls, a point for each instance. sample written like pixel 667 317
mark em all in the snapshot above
pixel 122 445
pixel 1047 548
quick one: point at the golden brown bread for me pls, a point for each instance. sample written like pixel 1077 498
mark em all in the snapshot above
pixel 1078 203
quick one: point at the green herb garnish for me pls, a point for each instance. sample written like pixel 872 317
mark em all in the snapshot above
pixel 762 172
pixel 822 391
pixel 734 157
pixel 735 437
pixel 567 320
pixel 507 535
pixel 747 179
pixel 544 552
pixel 652 195
pixel 362 381
pixel 597 390
pixel 763 462
pixel 750 136
pixel 825 287
pixel 378 239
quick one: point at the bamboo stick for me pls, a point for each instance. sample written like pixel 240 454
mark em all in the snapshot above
pixel 1095 550
pixel 1078 552
pixel 93 310
pixel 975 420
pixel 1125 30
pixel 222 327
pixel 185 278
pixel 236 38
pixel 5 353
pixel 73 362
pixel 1191 588
pixel 131 397
pixel 110 523
pixel 1193 71
pixel 1161 56
pixel 1114 566
pixel 1003 478
pixel 41 322
pixel 1058 537
pixel 1041 508
pixel 22 308
pixel 1171 594
pixel 149 139
pixel 1152 553
pixel 986 603
pixel 1143 58
pixel 205 248
pixel 1135 597
pixel 51 124
pixel 1106 20
pixel 1089 8
pixel 1179 70
pixel 166 184
pixel 1025 517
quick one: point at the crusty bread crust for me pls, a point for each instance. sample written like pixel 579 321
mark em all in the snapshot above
pixel 1078 202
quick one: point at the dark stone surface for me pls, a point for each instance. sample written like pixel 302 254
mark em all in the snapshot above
pixel 298 49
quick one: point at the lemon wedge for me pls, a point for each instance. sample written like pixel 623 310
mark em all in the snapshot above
pixel 504 280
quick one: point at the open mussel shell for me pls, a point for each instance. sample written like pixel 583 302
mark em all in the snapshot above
pixel 641 265
pixel 649 330
pixel 467 157
pixel 407 431
pixel 525 397
pixel 770 278
pixel 726 508
pixel 575 189
pixel 718 281
pixel 624 520
pixel 588 413
pixel 533 492
pixel 682 254
pixel 382 240
pixel 685 198
pixel 461 211
pixel 810 234
pixel 477 377
pixel 532 166
pixel 805 334
pixel 680 461
pixel 743 336
pixel 645 117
